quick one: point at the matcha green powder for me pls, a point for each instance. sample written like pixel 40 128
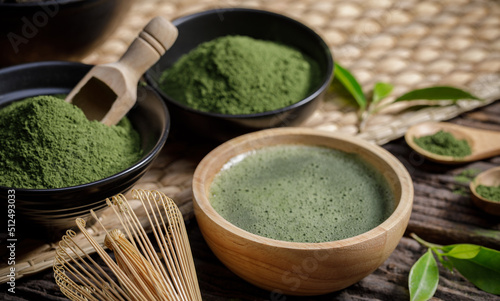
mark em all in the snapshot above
pixel 48 143
pixel 445 144
pixel 240 75
pixel 491 193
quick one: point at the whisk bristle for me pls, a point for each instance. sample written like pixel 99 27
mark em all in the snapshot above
pixel 139 271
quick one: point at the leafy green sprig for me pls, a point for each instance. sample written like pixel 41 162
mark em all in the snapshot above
pixel 478 264
pixel 371 105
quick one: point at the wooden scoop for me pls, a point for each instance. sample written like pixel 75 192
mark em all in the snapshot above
pixel 483 143
pixel 490 177
pixel 107 92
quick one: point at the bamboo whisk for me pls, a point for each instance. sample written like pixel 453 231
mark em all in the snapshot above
pixel 139 272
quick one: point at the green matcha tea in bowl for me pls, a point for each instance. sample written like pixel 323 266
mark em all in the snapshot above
pixel 248 71
pixel 276 204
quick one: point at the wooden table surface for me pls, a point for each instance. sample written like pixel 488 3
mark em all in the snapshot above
pixel 443 213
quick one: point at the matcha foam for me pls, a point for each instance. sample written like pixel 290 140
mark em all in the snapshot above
pixel 302 193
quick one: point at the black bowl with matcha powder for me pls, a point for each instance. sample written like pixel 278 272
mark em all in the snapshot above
pixel 49 143
pixel 232 71
pixel 55 164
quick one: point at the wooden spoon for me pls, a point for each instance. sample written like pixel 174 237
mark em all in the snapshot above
pixel 483 143
pixel 490 177
pixel 107 92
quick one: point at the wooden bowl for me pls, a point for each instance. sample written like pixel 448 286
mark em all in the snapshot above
pixel 490 177
pixel 301 268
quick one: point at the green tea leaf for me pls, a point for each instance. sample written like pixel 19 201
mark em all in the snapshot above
pixel 342 93
pixel 380 91
pixel 447 264
pixel 351 84
pixel 436 93
pixel 442 259
pixel 424 278
pixel 483 270
pixel 461 251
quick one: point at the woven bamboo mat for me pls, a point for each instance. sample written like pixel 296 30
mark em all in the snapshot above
pixel 411 44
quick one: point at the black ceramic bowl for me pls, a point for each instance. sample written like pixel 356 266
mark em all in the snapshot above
pixel 149 117
pixel 56 30
pixel 208 25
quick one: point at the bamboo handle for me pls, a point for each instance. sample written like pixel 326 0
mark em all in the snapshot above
pixel 152 42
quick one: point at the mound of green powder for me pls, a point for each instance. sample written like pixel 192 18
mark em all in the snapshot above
pixel 49 143
pixel 491 193
pixel 240 75
pixel 445 144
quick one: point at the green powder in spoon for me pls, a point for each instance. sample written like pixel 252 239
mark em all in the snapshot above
pixel 445 144
pixel 491 193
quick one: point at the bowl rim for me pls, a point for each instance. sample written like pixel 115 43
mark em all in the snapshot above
pixel 144 160
pixel 319 88
pixel 402 210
